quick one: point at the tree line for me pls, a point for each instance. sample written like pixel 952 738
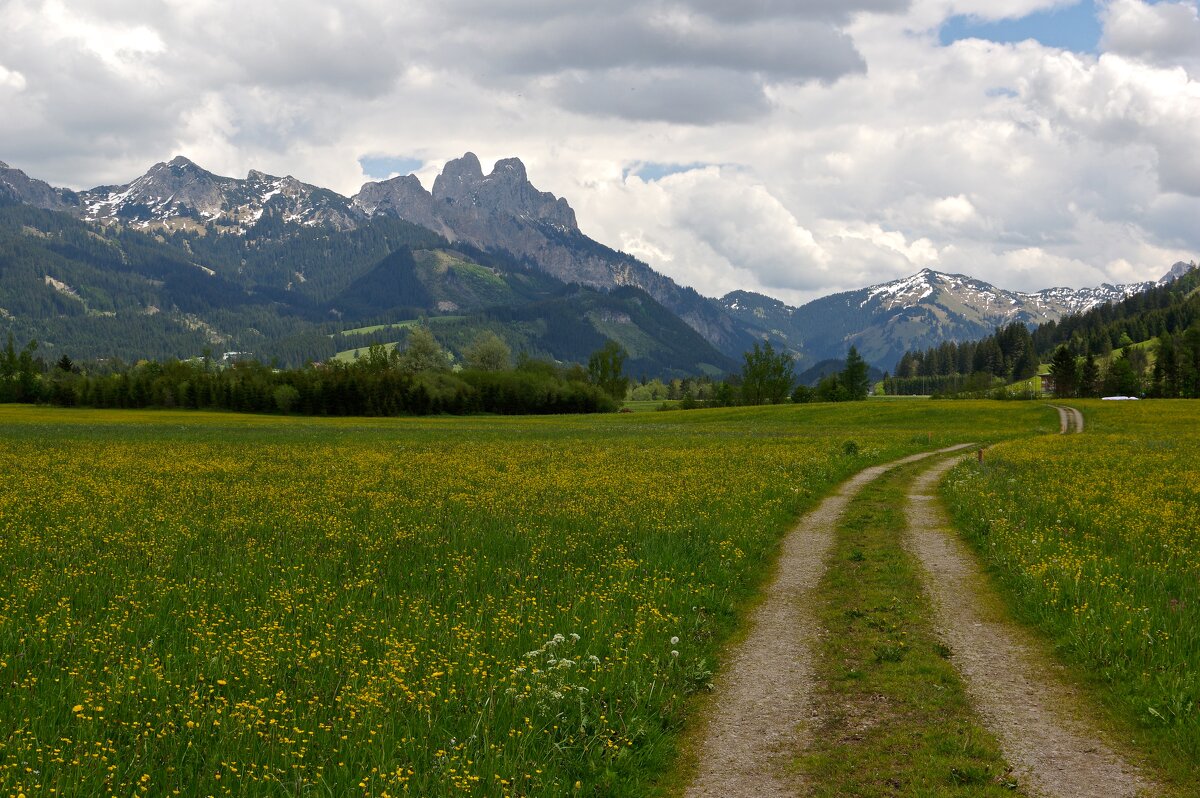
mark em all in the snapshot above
pixel 1174 375
pixel 417 380
pixel 768 377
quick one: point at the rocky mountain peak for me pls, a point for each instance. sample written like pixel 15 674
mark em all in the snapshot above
pixel 17 186
pixel 179 194
pixel 403 197
pixel 510 169
pixel 506 192
pixel 179 171
pixel 457 178
pixel 1178 270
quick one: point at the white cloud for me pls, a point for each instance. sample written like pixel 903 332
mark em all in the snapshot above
pixel 1164 33
pixel 11 79
pixel 953 211
pixel 853 148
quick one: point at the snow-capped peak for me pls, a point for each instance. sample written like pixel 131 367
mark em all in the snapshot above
pixel 181 195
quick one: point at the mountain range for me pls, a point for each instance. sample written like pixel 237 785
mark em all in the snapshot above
pixel 182 259
pixel 884 321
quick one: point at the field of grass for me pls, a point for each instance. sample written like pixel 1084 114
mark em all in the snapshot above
pixel 350 355
pixel 377 328
pixel 217 604
pixel 398 325
pixel 1097 539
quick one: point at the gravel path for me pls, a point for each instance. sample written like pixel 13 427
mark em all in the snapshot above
pixel 764 694
pixel 1053 751
pixel 1064 423
pixel 1069 419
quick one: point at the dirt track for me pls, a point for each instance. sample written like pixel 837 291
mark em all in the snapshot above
pixel 1069 419
pixel 1053 750
pixel 764 695
pixel 760 716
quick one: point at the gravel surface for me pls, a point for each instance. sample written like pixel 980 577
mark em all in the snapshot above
pixel 1054 751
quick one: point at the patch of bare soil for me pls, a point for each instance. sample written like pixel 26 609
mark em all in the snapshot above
pixel 764 694
pixel 1054 751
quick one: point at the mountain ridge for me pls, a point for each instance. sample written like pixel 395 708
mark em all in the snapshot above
pixel 887 319
pixel 307 250
pixel 498 210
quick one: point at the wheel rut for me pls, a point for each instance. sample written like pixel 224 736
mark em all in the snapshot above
pixel 1069 419
pixel 764 695
pixel 1053 750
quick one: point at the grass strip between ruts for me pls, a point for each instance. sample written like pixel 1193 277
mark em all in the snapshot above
pixel 892 714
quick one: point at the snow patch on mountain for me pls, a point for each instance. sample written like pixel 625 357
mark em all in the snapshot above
pixel 991 303
pixel 181 195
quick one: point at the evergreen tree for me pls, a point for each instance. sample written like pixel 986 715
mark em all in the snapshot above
pixel 1121 378
pixel 1169 367
pixel 1089 377
pixel 1027 362
pixel 1065 372
pixel 855 377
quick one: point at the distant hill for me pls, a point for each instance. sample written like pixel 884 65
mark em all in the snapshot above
pixel 814 374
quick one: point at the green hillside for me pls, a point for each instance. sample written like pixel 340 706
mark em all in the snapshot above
pixel 306 294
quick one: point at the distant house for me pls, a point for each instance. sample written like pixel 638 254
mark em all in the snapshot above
pixel 1047 383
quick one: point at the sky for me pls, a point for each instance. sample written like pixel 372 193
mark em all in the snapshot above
pixel 791 147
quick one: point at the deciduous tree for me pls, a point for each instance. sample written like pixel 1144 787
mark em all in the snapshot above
pixel 423 353
pixel 487 352
pixel 605 370
pixel 767 376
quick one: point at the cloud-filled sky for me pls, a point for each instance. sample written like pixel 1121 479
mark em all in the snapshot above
pixel 792 147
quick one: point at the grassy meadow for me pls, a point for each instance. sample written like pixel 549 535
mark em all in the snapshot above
pixel 213 604
pixel 1097 538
